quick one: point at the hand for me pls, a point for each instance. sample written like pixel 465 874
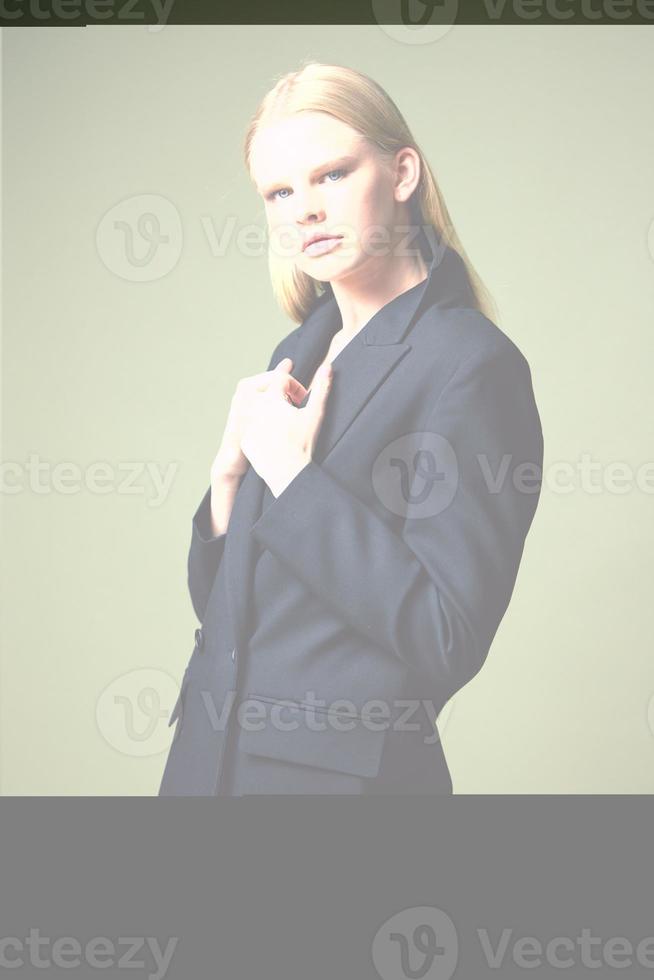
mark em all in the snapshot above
pixel 278 438
pixel 230 463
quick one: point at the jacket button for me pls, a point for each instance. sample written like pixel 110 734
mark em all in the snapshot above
pixel 199 639
pixel 234 655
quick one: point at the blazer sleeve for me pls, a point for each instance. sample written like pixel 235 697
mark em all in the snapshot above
pixel 204 556
pixel 434 594
pixel 206 550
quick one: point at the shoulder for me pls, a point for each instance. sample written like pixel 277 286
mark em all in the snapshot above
pixel 474 370
pixel 464 337
pixel 286 344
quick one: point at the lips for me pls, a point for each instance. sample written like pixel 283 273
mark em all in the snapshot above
pixel 319 238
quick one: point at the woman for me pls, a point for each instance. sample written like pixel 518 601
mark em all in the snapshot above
pixel 359 541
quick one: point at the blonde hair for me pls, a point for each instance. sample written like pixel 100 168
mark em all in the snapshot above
pixel 358 101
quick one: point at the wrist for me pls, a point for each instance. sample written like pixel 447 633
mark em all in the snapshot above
pixel 279 482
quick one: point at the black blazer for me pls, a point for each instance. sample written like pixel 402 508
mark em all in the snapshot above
pixel 374 584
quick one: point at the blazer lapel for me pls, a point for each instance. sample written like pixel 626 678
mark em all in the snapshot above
pixel 359 369
pixel 241 550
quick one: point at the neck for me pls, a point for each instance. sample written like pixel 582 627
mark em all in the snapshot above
pixel 364 291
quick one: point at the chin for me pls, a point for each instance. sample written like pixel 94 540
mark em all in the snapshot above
pixel 329 267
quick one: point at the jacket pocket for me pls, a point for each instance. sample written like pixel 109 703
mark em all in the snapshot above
pixel 296 731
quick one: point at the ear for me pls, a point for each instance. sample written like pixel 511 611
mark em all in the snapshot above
pixel 407 173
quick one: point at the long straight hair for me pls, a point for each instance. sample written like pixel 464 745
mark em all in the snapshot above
pixel 361 103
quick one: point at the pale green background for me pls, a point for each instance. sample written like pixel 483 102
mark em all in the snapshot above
pixel 542 141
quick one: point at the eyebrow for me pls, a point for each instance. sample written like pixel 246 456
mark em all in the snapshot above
pixel 323 168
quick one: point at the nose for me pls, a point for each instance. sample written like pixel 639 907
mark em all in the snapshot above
pixel 309 212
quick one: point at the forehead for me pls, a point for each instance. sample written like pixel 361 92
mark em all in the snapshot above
pixel 300 143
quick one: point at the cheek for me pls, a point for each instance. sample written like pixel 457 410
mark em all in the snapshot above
pixel 375 204
pixel 374 216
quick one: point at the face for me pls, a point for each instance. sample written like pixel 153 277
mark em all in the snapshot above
pixel 318 176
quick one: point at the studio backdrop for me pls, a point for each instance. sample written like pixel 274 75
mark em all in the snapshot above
pixel 136 294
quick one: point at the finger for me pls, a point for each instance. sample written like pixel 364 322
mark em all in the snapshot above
pixel 285 384
pixel 295 389
pixel 262 381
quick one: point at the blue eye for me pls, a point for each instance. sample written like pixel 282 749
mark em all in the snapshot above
pixel 340 170
pixel 273 194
